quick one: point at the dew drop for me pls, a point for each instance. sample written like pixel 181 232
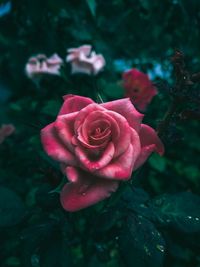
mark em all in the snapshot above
pixel 189 217
pixel 83 189
pixel 197 219
pixel 160 247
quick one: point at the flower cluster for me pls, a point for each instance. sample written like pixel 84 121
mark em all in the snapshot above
pixel 82 60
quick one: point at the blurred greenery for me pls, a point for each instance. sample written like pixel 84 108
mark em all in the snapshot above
pixel 35 231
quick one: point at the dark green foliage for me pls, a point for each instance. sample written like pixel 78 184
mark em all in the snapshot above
pixel 140 243
pixel 12 209
pixel 152 220
pixel 180 211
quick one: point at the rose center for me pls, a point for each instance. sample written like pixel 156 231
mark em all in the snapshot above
pixel 99 133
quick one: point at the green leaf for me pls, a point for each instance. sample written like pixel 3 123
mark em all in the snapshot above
pixel 157 162
pixel 92 6
pixel 112 90
pixel 140 243
pixel 136 200
pixel 51 108
pixel 107 219
pixel 180 211
pixel 12 209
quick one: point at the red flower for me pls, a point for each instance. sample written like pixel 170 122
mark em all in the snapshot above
pixel 138 88
pixel 98 145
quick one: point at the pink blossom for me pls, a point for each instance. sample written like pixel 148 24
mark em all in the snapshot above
pixel 98 145
pixel 5 131
pixel 40 64
pixel 84 61
pixel 138 88
pixel 74 53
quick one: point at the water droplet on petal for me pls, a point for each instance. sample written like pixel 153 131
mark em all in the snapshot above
pixel 83 189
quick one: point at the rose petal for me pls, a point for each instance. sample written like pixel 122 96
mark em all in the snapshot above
pixel 91 164
pixel 84 113
pixel 127 110
pixel 64 126
pixel 86 192
pixel 81 67
pixel 122 167
pixel 122 140
pixel 55 148
pixel 93 119
pixel 118 124
pixel 74 103
pixel 98 116
pixel 150 142
pixel 72 174
pixel 74 53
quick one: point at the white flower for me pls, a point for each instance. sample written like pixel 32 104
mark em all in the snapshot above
pixel 40 64
pixel 84 61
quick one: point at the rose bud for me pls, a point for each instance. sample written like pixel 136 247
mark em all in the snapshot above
pixel 138 88
pixel 98 145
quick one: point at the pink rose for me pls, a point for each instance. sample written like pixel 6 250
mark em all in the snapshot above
pixel 40 64
pixel 139 88
pixel 83 60
pixel 98 145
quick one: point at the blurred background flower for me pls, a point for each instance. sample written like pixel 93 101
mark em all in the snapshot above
pixel 83 60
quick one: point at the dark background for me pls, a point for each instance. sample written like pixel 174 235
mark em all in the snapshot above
pixel 34 230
